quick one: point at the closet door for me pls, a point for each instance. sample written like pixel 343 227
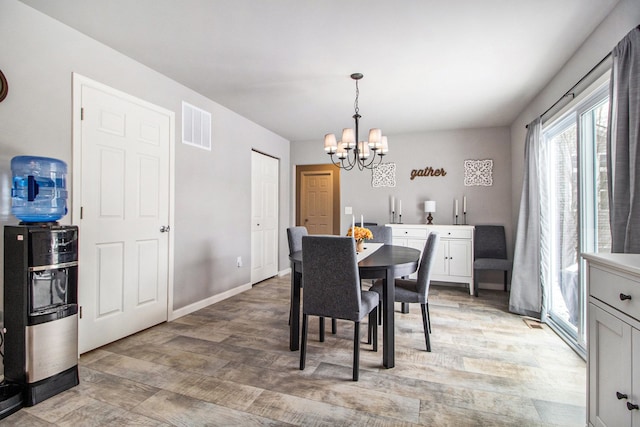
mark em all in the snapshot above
pixel 264 216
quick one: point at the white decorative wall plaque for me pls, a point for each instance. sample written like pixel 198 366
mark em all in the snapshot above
pixel 478 172
pixel 384 175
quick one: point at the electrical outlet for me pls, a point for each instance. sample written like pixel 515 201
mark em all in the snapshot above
pixel 239 262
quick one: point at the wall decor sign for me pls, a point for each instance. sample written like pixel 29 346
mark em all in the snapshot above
pixel 384 175
pixel 428 171
pixel 4 87
pixel 478 172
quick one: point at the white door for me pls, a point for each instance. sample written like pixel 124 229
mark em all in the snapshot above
pixel 460 258
pixel 264 217
pixel 124 198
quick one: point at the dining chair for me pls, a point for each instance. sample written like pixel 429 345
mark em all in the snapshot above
pixel 294 238
pixel 490 252
pixel 381 234
pixel 332 289
pixel 417 291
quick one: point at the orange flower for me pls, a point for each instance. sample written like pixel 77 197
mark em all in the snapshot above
pixel 360 233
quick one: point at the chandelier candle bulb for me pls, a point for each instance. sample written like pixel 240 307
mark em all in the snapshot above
pixel 330 144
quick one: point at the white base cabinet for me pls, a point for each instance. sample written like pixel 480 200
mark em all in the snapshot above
pixel 613 346
pixel 454 259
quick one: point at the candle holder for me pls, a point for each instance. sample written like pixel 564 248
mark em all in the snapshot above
pixel 464 218
pixel 456 223
pixel 393 217
pixel 400 219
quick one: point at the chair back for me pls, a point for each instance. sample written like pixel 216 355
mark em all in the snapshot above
pixel 426 263
pixel 381 234
pixel 331 278
pixel 294 237
pixel 490 242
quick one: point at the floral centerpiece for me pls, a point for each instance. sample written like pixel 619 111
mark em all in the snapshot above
pixel 360 234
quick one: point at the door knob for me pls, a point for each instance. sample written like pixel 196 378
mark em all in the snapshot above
pixel 621 395
pixel 631 406
pixel 624 297
pixel 165 229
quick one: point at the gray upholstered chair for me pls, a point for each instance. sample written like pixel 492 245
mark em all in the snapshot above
pixel 332 289
pixel 417 291
pixel 294 238
pixel 381 234
pixel 490 252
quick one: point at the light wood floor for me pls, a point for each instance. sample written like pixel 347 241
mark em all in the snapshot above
pixel 229 364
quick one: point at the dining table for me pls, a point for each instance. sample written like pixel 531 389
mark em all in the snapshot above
pixel 377 261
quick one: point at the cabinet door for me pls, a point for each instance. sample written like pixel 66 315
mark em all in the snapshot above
pixel 635 380
pixel 460 258
pixel 609 369
pixel 441 263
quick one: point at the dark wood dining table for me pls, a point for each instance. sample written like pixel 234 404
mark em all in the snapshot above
pixel 386 263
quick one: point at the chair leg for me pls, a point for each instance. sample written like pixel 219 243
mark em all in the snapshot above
pixel 321 327
pixel 426 327
pixel 356 350
pixel 303 346
pixel 404 308
pixel 505 280
pixel 475 283
pixel 334 326
pixel 374 327
pixel 428 316
pixel 380 313
pixel 373 323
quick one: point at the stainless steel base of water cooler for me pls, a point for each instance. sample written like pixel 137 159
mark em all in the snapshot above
pixel 51 358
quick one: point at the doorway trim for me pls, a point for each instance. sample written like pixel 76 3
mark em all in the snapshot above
pixel 300 169
pixel 76 164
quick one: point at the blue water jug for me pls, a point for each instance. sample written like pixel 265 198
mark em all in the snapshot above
pixel 39 192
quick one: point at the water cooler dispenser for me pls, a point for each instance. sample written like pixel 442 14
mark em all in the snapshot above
pixel 40 287
pixel 41 309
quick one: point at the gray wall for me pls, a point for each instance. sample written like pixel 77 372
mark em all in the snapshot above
pixel 212 189
pixel 622 19
pixel 438 149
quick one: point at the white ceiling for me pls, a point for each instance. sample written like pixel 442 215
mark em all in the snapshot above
pixel 285 64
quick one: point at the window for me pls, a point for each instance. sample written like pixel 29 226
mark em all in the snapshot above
pixel 574 209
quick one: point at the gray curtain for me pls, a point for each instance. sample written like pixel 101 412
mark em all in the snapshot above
pixel 623 161
pixel 526 288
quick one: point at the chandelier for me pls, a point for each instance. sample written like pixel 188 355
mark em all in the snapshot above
pixel 350 151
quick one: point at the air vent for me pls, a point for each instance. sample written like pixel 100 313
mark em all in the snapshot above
pixel 196 126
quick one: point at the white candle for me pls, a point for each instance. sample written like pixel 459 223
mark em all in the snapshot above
pixel 353 224
pixel 456 207
pixel 393 204
pixel 464 204
pixel 399 207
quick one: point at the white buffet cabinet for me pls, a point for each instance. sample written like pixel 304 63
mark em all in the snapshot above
pixel 454 259
pixel 613 349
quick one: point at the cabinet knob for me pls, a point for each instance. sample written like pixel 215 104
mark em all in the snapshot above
pixel 631 406
pixel 624 297
pixel 621 396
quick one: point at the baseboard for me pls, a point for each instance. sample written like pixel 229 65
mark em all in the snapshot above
pixel 284 272
pixel 183 311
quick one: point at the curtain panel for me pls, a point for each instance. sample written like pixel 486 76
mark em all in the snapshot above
pixel 623 137
pixel 526 287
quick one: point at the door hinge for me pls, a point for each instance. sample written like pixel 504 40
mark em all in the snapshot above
pixel 80 312
pixel 82 113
